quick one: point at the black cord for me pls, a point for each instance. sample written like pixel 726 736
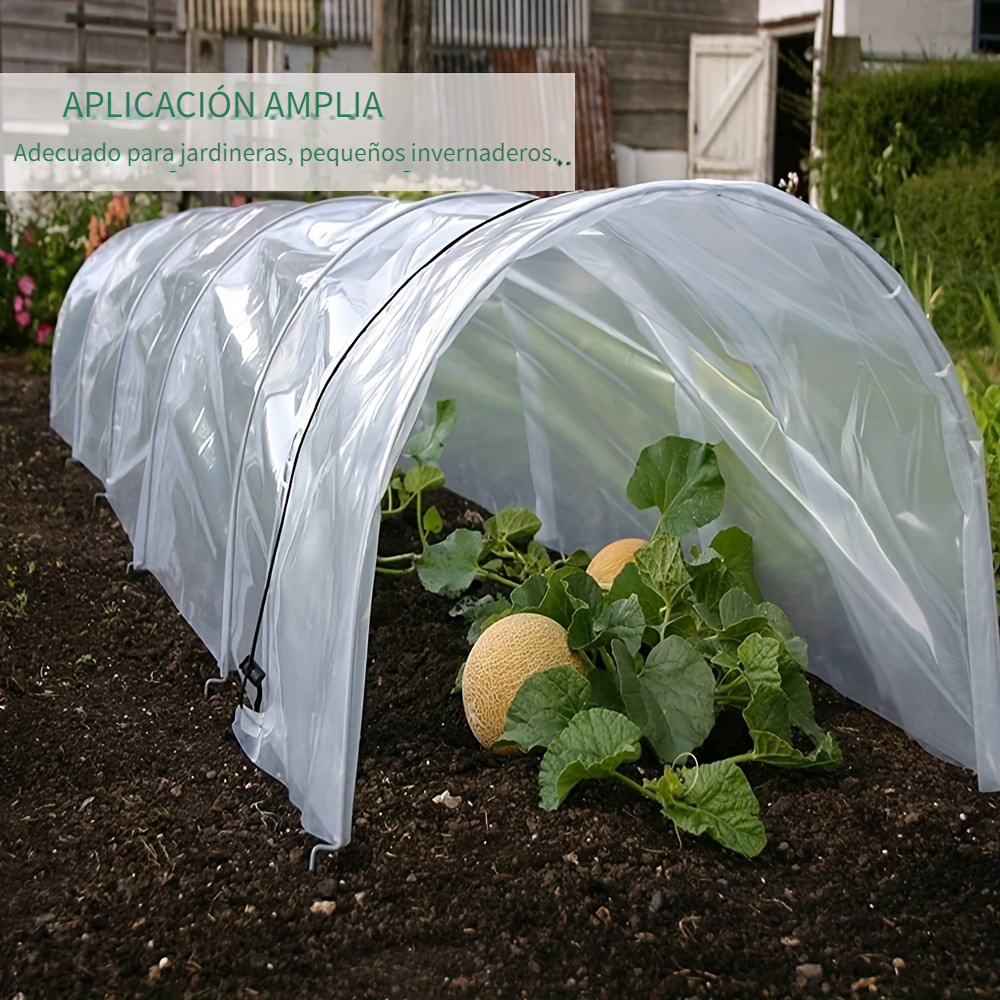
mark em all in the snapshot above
pixel 249 668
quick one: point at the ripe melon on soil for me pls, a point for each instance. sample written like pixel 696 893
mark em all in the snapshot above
pixel 509 651
pixel 610 561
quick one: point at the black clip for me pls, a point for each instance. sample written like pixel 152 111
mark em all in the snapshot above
pixel 253 674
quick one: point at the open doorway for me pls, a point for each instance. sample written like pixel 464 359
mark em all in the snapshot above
pixel 793 108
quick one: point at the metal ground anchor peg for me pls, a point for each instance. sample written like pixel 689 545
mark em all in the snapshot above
pixel 214 683
pixel 317 851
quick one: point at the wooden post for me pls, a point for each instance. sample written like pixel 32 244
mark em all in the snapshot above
pixel 420 36
pixel 819 70
pixel 151 40
pixel 826 34
pixel 401 36
pixel 251 39
pixel 81 37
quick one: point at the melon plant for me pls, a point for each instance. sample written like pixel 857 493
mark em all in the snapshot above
pixel 503 553
pixel 642 659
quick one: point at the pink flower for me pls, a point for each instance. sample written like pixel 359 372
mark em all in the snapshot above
pixel 29 236
pixel 238 200
pixel 23 318
pixel 8 258
pixel 18 304
pixel 42 333
pixel 25 285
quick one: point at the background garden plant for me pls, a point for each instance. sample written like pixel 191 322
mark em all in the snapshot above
pixel 43 241
pixel 910 154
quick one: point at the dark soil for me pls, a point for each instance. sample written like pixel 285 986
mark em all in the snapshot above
pixel 140 854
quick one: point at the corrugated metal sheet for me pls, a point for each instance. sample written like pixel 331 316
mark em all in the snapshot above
pixel 513 61
pixel 513 24
pixel 348 20
pixel 460 61
pixel 595 151
pixel 292 17
pixel 455 23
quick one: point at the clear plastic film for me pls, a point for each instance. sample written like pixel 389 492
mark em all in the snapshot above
pixel 572 331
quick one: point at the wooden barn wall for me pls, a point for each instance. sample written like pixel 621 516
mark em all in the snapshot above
pixel 647 47
pixel 38 39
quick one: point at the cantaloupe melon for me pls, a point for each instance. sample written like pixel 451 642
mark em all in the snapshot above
pixel 610 561
pixel 509 651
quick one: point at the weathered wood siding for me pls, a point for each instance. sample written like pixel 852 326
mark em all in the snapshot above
pixel 647 45
pixel 38 39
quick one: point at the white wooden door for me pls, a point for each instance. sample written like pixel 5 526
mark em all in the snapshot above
pixel 731 107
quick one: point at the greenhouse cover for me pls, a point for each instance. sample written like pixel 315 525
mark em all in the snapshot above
pixel 243 382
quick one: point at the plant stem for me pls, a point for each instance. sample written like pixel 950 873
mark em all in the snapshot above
pixel 486 574
pixel 420 519
pixel 735 701
pixel 400 558
pixel 393 572
pixel 635 786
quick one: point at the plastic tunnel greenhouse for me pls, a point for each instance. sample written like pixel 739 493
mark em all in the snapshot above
pixel 243 382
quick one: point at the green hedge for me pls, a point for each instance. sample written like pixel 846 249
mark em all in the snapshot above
pixel 881 127
pixel 951 217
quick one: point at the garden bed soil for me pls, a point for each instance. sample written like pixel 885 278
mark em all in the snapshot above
pixel 141 854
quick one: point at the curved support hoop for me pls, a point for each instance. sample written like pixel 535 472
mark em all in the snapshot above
pixel 317 851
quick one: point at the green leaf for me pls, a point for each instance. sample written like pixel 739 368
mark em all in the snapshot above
pixel 604 691
pixel 801 713
pixel 740 615
pixel 471 608
pixel 423 477
pixel 710 581
pixel 448 567
pixel 587 599
pixel 672 700
pixel 627 583
pixel 426 445
pixel 570 597
pixel 594 744
pixel 555 603
pixel 662 568
pixel 480 612
pixel 536 558
pixel 432 521
pixel 781 626
pixel 457 686
pixel 768 708
pixel 681 478
pixel 544 705
pixel 579 558
pixel 512 524
pixel 735 547
pixel 480 625
pixel 529 594
pixel 685 625
pixel 621 620
pixel 722 652
pixel 396 486
pixel 716 800
pixel 771 749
